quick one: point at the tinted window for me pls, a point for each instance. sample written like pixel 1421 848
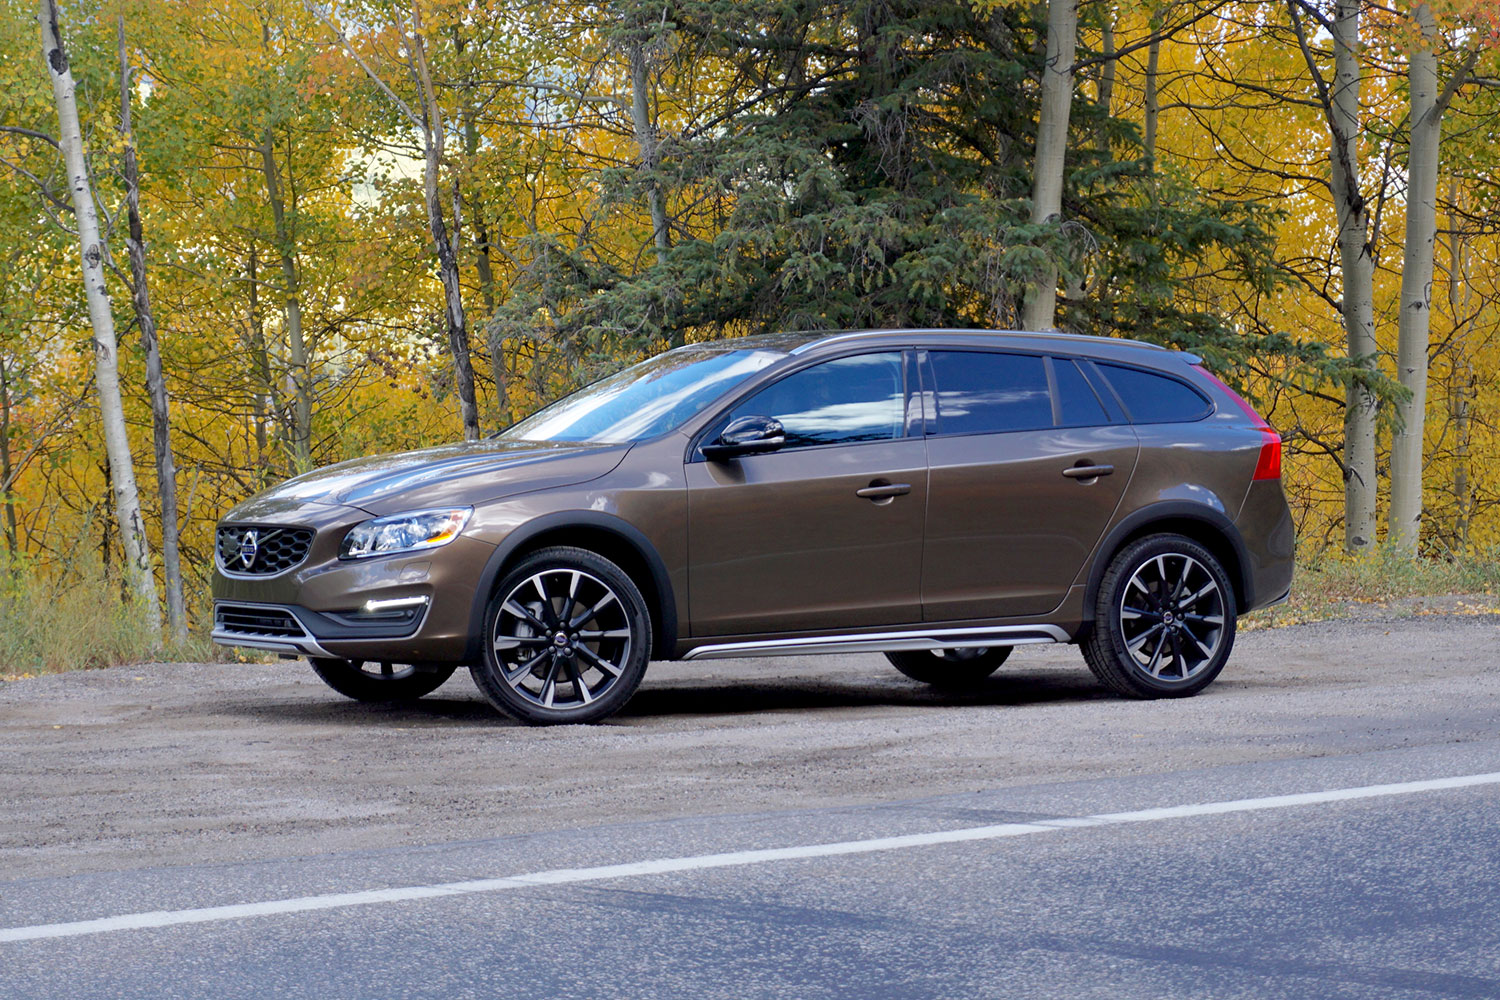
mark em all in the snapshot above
pixel 1154 399
pixel 981 392
pixel 1080 407
pixel 837 402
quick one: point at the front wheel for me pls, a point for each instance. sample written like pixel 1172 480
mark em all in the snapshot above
pixel 953 669
pixel 1164 619
pixel 366 680
pixel 567 636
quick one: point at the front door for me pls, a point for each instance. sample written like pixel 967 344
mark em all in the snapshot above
pixel 1013 512
pixel 825 533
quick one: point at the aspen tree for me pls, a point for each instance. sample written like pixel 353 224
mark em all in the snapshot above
pixel 93 252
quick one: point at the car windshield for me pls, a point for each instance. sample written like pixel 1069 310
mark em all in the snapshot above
pixel 644 400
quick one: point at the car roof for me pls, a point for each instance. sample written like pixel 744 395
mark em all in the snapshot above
pixel 815 341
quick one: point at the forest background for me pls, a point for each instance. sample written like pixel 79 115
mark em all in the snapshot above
pixel 243 238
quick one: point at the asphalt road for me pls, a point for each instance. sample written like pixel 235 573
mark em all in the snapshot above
pixel 989 845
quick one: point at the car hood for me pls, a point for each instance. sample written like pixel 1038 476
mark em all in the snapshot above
pixel 465 473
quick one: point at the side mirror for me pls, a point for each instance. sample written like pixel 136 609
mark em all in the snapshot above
pixel 749 435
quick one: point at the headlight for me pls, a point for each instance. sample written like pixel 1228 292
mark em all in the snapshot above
pixel 408 532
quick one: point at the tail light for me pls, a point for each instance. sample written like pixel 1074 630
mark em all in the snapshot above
pixel 1268 465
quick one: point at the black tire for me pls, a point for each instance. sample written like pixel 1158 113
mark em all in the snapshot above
pixel 567 636
pixel 379 682
pixel 1164 619
pixel 950 669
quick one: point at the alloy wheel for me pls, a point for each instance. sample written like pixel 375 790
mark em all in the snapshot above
pixel 1172 615
pixel 562 638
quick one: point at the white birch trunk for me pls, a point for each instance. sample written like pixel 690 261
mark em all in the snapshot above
pixel 1040 309
pixel 1153 98
pixel 127 501
pixel 645 139
pixel 445 240
pixel 6 499
pixel 1461 385
pixel 1358 272
pixel 291 312
pixel 1403 525
pixel 156 382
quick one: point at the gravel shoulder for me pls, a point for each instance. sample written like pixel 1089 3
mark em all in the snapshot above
pixel 182 763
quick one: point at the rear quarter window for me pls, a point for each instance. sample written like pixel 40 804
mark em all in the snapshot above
pixel 1077 404
pixel 1150 398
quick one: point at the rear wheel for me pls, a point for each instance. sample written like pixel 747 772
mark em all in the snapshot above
pixel 367 680
pixel 1164 619
pixel 567 638
pixel 950 668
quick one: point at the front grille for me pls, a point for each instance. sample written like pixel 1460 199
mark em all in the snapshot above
pixel 249 619
pixel 270 549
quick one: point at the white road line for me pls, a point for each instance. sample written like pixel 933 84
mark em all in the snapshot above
pixel 568 876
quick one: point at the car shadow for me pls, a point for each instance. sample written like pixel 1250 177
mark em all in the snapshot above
pixel 341 711
pixel 708 697
pixel 814 693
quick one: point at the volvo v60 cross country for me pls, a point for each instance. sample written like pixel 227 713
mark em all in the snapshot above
pixel 936 496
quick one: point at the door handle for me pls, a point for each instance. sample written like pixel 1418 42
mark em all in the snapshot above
pixel 878 490
pixel 1088 471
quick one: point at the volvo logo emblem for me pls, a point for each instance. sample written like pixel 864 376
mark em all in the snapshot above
pixel 249 546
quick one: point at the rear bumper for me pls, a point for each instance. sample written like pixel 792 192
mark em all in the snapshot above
pixel 1265 525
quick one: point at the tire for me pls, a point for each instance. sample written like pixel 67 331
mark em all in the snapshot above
pixel 367 680
pixel 567 636
pixel 950 669
pixel 1164 619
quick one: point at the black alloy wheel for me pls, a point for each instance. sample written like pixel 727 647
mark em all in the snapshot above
pixel 1164 619
pixel 567 639
pixel 951 669
pixel 368 680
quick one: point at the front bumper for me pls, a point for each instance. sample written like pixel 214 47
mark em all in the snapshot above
pixel 270 627
pixel 321 607
pixel 290 630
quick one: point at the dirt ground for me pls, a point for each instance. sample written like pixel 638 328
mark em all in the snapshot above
pixel 186 763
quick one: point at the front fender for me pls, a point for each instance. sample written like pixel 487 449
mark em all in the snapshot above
pixel 557 524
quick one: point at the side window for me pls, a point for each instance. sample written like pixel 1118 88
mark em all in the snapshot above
pixel 1078 404
pixel 837 402
pixel 981 392
pixel 1154 399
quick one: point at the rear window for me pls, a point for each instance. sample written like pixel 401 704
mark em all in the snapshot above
pixel 979 392
pixel 1155 399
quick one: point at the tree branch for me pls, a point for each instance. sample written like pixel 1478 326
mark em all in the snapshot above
pixel 374 77
pixel 31 134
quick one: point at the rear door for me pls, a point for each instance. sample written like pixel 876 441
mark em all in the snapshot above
pixel 786 541
pixel 1027 468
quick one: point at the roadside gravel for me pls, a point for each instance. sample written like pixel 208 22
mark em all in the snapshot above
pixel 183 763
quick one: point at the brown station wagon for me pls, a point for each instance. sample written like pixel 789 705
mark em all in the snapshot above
pixel 938 496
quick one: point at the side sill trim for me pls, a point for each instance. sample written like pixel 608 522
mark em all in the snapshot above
pixel 884 642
